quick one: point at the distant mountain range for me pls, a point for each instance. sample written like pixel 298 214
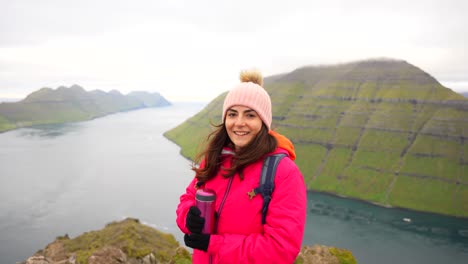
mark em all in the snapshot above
pixel 382 131
pixel 465 94
pixel 69 104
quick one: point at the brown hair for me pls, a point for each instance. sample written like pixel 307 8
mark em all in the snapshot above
pixel 262 144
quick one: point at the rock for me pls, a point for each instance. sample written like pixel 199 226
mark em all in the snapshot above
pixel 55 252
pixel 108 255
pixel 149 259
pixel 39 259
pixel 324 255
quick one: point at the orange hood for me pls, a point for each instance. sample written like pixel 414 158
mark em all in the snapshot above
pixel 284 143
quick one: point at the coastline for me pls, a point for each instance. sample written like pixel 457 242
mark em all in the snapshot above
pixel 77 121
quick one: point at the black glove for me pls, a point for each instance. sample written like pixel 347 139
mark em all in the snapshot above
pixel 197 241
pixel 194 221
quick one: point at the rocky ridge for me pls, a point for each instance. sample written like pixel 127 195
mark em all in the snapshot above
pixel 130 242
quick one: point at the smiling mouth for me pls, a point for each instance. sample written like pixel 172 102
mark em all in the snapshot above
pixel 240 133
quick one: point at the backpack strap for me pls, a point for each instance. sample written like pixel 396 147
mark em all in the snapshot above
pixel 267 181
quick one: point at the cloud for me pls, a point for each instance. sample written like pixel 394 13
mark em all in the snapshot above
pixel 195 49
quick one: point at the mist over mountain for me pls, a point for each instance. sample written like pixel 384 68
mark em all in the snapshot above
pixel 70 104
pixel 379 130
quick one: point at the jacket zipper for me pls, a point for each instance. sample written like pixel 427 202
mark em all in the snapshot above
pixel 221 208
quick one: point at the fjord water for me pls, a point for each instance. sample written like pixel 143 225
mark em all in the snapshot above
pixel 74 178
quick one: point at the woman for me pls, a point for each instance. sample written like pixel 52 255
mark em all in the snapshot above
pixel 231 166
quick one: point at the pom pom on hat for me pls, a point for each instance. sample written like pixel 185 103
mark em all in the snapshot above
pixel 250 93
pixel 253 76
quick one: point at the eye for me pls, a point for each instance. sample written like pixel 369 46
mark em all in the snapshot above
pixel 231 114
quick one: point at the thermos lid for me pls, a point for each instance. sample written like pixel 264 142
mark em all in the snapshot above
pixel 205 195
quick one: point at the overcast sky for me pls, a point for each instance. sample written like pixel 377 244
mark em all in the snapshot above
pixel 194 50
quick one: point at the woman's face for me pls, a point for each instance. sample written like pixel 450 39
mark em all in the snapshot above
pixel 242 125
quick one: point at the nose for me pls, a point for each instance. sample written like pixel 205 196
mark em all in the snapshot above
pixel 240 121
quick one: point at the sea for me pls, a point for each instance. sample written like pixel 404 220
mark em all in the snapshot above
pixel 77 177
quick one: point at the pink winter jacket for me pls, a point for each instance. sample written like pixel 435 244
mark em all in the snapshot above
pixel 241 237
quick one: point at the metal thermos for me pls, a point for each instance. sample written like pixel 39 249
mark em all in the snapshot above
pixel 205 199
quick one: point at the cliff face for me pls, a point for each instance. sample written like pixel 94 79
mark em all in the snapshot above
pixel 383 131
pixel 130 242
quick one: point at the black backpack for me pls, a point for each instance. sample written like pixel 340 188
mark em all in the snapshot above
pixel 267 181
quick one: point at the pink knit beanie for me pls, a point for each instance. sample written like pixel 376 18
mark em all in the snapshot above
pixel 250 93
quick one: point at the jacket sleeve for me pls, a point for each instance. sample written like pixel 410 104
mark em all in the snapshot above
pixel 186 201
pixel 283 230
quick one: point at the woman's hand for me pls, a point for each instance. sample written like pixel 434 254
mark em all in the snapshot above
pixel 194 221
pixel 197 241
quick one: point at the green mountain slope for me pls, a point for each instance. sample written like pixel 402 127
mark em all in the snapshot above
pixel 383 131
pixel 47 106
